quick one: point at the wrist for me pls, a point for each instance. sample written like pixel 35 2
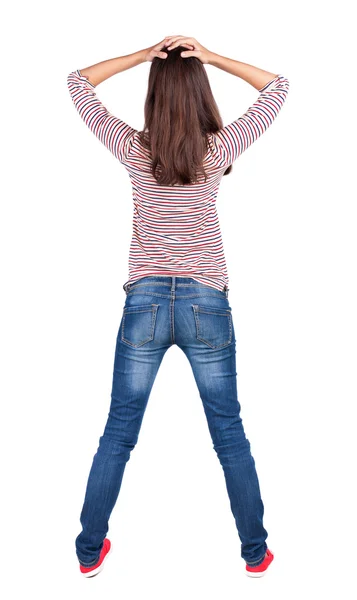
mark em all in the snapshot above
pixel 212 59
pixel 143 54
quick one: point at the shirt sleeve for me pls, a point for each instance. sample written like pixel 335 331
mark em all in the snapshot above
pixel 115 134
pixel 241 133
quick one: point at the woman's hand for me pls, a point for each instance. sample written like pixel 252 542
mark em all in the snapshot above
pixel 156 51
pixel 197 49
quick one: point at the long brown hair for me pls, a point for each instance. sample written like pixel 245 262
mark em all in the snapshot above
pixel 179 112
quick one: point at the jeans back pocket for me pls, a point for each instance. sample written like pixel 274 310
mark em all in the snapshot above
pixel 138 324
pixel 213 325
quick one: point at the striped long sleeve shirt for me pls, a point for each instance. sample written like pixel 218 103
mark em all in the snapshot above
pixel 176 228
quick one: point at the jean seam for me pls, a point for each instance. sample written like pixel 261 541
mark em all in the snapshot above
pixel 177 297
pixel 131 286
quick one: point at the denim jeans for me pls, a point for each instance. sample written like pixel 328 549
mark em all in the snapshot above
pixel 160 311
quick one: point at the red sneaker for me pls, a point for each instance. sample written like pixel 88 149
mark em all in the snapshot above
pixel 260 570
pixel 98 566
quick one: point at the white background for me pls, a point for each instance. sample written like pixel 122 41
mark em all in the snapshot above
pixel 288 219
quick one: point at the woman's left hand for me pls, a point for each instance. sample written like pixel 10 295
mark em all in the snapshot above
pixel 155 51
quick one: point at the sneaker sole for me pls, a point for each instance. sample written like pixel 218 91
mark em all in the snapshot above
pixel 98 569
pixel 251 574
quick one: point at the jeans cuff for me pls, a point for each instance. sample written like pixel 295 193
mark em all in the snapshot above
pixel 257 562
pixel 89 564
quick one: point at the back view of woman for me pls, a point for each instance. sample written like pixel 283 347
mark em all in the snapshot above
pixel 177 290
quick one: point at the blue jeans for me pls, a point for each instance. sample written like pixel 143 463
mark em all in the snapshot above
pixel 160 311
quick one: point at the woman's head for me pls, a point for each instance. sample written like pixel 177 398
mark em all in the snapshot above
pixel 179 112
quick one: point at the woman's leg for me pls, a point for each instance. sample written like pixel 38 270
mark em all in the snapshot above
pixel 137 360
pixel 208 340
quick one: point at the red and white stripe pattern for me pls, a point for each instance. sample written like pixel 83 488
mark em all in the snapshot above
pixel 176 229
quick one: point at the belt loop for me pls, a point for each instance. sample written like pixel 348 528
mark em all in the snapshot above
pixel 126 287
pixel 226 290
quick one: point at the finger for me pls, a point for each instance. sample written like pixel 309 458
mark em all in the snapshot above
pixel 181 42
pixel 188 46
pixel 169 38
pixel 181 38
pixel 160 45
pixel 189 54
pixel 160 54
pixel 164 42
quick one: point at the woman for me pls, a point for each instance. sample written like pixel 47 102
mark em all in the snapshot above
pixel 177 291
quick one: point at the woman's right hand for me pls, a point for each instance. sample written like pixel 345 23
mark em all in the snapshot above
pixel 198 50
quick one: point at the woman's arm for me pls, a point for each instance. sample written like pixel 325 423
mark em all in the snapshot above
pixel 107 68
pixel 115 134
pixel 236 137
pixel 258 78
